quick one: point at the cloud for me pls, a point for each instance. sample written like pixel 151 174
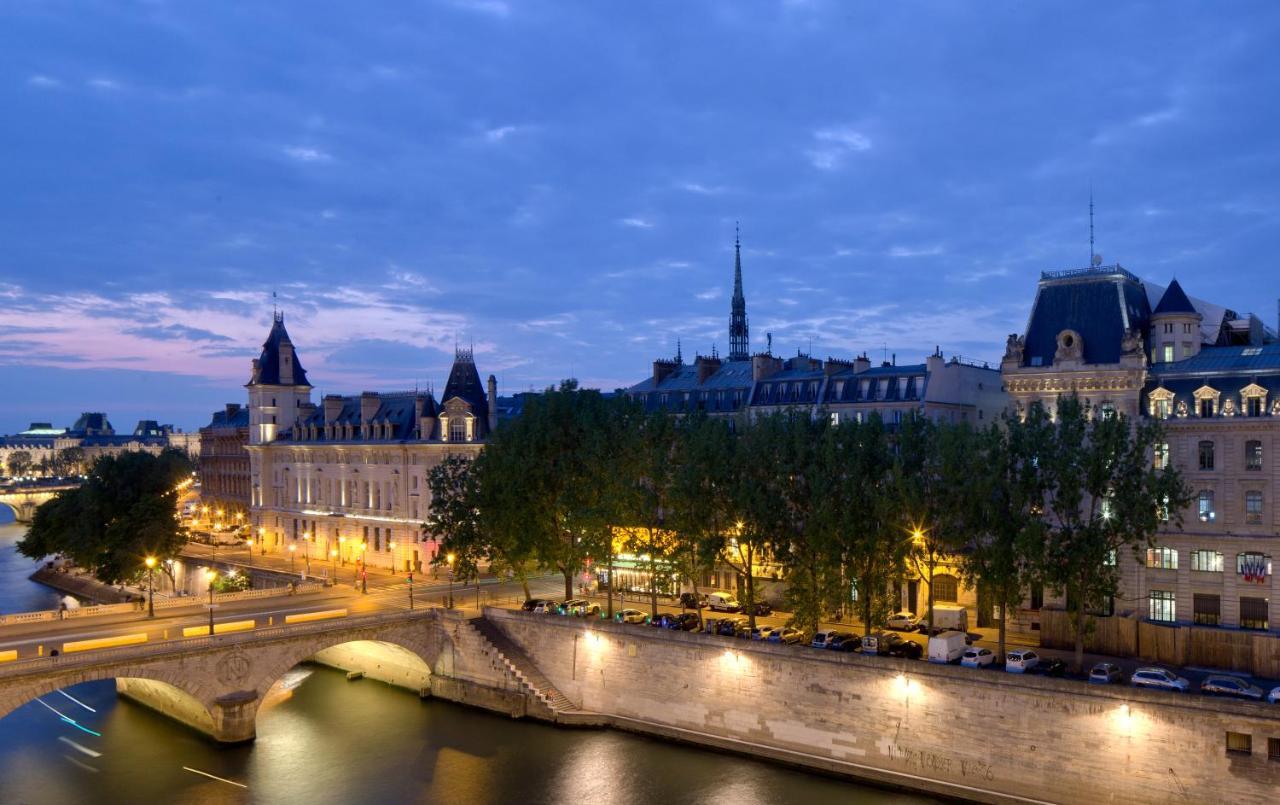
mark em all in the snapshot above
pixel 702 189
pixel 710 293
pixel 43 82
pixel 500 133
pixel 637 223
pixel 833 145
pixel 105 84
pixel 915 251
pixel 1149 120
pixel 303 153
pixel 494 8
pixel 979 274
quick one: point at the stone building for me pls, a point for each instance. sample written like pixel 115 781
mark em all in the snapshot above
pixel 92 435
pixel 327 479
pixel 1212 377
pixel 749 385
pixel 224 461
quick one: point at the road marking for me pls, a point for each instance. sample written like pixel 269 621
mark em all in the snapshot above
pixel 82 749
pixel 77 701
pixel 214 777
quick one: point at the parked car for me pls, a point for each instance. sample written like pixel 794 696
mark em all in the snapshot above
pixel 721 601
pixel 786 635
pixel 1050 667
pixel 530 604
pixel 1274 696
pixel 820 638
pixel 977 657
pixel 730 627
pixel 1159 678
pixel 545 607
pixel 947 647
pixel 683 622
pixel 871 642
pixel 661 620
pixel 903 622
pixel 1105 673
pixel 1219 685
pixel 631 616
pixel 899 647
pixel 763 632
pixel 844 641
pixel 580 608
pixel 759 608
pixel 566 607
pixel 1021 660
pixel 693 600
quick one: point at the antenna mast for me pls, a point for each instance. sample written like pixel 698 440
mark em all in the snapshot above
pixel 1093 254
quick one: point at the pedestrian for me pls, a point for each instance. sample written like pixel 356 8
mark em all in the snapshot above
pixel 62 610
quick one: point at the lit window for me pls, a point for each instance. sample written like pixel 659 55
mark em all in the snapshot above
pixel 1206 561
pixel 1253 613
pixel 1253 567
pixel 1168 353
pixel 1206 610
pixel 1253 454
pixel 1162 558
pixel 1239 743
pixel 1205 512
pixel 1160 456
pixel 1253 507
pixel 1163 606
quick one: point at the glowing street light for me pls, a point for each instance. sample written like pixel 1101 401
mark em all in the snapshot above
pixel 333 562
pixel 249 544
pixel 391 546
pixel 450 559
pixel 364 568
pixel 342 554
pixel 151 586
pixel 292 548
pixel 210 574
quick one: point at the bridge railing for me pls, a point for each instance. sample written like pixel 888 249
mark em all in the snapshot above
pixel 161 603
pixel 181 645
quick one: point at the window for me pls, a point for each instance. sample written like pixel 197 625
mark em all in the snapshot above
pixel 1206 455
pixel 835 417
pixel 1160 456
pixel 1205 511
pixel 1168 326
pixel 1108 410
pixel 1186 349
pixel 945 588
pixel 1273 749
pixel 1253 613
pixel 1206 408
pixel 1253 406
pixel 1162 410
pixel 1163 606
pixel 1206 561
pixel 1254 567
pixel 1037 597
pixel 1239 743
pixel 1162 558
pixel 1207 609
pixel 1253 507
pixel 1168 353
pixel 1253 454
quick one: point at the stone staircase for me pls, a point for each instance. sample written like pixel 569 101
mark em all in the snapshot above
pixel 523 669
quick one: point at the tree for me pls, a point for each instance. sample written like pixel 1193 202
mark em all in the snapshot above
pixel 125 511
pixel 647 473
pixel 701 509
pixel 70 461
pixel 1102 494
pixel 19 462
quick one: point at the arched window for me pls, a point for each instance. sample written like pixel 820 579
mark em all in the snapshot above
pixel 945 588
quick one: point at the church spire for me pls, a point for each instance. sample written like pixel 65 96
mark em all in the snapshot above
pixel 739 339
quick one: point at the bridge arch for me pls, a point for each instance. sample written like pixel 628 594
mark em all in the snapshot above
pixel 186 698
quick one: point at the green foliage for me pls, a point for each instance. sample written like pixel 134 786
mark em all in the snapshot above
pixel 125 511
pixel 19 463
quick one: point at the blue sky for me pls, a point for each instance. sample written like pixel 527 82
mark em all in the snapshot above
pixel 557 182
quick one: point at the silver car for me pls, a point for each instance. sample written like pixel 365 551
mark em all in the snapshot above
pixel 1159 678
pixel 1221 685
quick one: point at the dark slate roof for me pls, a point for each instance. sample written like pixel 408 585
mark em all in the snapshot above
pixel 92 421
pixel 850 386
pixel 1174 301
pixel 1223 360
pixel 269 361
pixel 1100 304
pixel 148 427
pixel 397 409
pixel 464 383
pixel 238 418
pixel 730 375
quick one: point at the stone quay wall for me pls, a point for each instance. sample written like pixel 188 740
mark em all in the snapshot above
pixel 979 735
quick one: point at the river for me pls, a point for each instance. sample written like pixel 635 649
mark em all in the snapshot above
pixel 322 739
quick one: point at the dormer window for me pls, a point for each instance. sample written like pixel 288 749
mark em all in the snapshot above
pixel 458 429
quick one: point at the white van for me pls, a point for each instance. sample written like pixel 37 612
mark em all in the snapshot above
pixel 949 616
pixel 723 602
pixel 946 647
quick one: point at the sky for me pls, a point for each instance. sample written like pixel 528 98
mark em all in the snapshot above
pixel 557 183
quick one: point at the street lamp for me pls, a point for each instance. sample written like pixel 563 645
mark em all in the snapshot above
pixel 450 559
pixel 210 574
pixel 292 548
pixel 343 558
pixel 333 562
pixel 262 539
pixel 151 586
pixel 411 590
pixel 391 546
pixel 306 550
pixel 364 568
pixel 249 544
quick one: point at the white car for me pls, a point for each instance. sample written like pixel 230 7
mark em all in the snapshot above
pixel 1274 696
pixel 545 607
pixel 902 622
pixel 631 616
pixel 1159 678
pixel 977 657
pixel 764 632
pixel 1021 660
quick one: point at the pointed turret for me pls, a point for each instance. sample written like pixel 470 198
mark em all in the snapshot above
pixel 278 386
pixel 1174 301
pixel 739 337
pixel 1175 327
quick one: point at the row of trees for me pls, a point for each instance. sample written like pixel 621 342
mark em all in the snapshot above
pixel 846 510
pixel 67 461
pixel 125 511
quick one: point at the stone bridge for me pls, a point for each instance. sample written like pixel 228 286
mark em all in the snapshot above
pixel 24 499
pixel 215 684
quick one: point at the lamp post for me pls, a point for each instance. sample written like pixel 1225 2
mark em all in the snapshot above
pixel 333 562
pixel 262 539
pixel 342 541
pixel 306 551
pixel 151 586
pixel 210 574
pixel 364 568
pixel 292 549
pixel 391 546
pixel 411 590
pixel 249 544
pixel 450 559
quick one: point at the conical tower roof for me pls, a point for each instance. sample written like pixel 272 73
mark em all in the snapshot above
pixel 1174 301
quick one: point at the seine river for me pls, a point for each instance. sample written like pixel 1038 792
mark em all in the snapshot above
pixel 322 739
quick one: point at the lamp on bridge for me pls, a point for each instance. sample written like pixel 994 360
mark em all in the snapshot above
pixel 210 574
pixel 151 586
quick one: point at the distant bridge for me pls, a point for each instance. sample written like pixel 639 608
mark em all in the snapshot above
pixel 24 500
pixel 215 684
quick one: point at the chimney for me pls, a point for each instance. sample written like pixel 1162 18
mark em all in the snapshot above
pixel 763 366
pixel 934 363
pixel 706 367
pixel 662 368
pixel 332 408
pixel 834 365
pixel 861 363
pixel 232 410
pixel 368 406
pixel 493 403
pixel 255 371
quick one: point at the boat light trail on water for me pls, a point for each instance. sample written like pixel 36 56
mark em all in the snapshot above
pixel 69 720
pixel 77 701
pixel 214 777
pixel 86 750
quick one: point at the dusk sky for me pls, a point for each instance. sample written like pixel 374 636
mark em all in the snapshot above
pixel 557 183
